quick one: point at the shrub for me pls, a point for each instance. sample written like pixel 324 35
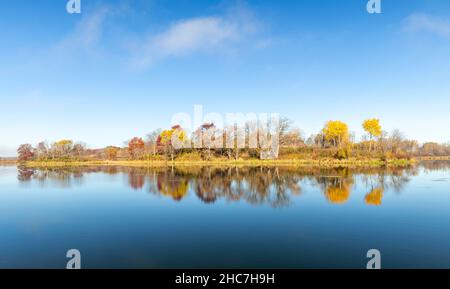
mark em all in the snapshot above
pixel 190 156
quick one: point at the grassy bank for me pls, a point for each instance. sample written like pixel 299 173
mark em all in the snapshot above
pixel 253 162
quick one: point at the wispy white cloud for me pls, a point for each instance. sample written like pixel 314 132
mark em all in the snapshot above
pixel 87 33
pixel 201 34
pixel 420 22
pixel 90 29
pixel 204 34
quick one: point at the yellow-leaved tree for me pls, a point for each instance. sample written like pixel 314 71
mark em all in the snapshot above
pixel 173 139
pixel 336 132
pixel 373 128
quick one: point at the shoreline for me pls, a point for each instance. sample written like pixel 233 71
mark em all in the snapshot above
pixel 254 162
pixel 312 163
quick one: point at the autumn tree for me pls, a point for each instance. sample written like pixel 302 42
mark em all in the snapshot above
pixel 373 128
pixel 395 140
pixel 230 139
pixel 317 140
pixel 284 126
pixel 336 132
pixel 435 149
pixel 152 140
pixel 207 137
pixel 25 152
pixel 234 137
pixel 111 152
pixel 42 150
pixel 293 138
pixel 78 150
pixel 171 140
pixel 136 147
pixel 62 148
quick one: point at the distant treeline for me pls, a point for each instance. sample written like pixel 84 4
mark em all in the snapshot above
pixel 9 159
pixel 333 141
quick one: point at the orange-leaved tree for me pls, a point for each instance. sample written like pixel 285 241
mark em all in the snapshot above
pixel 136 147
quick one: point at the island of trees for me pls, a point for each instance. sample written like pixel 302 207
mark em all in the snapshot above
pixel 333 144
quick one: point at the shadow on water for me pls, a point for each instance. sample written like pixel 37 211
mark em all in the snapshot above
pixel 273 186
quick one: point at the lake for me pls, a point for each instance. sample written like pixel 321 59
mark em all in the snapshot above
pixel 240 217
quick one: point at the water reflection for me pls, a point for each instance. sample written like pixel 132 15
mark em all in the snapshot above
pixel 338 190
pixel 374 197
pixel 171 185
pixel 273 186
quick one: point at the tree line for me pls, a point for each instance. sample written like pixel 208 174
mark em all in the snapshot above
pixel 334 141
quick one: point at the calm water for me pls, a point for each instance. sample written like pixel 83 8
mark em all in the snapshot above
pixel 192 217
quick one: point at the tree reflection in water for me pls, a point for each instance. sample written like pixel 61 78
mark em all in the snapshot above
pixel 173 186
pixel 339 191
pixel 136 179
pixel 273 186
pixel 336 184
pixel 374 197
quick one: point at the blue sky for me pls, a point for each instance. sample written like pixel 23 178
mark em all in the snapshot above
pixel 123 68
